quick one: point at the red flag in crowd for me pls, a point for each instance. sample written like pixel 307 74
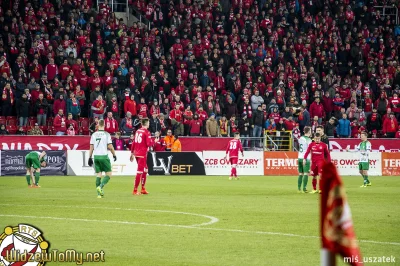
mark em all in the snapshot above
pixel 337 231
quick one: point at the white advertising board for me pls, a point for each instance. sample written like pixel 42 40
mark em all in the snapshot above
pixel 251 164
pixel 77 163
pixel 347 163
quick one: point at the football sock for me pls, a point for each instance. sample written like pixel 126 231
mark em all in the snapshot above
pixel 299 180
pixel 144 178
pixel 366 181
pixel 137 180
pixel 37 177
pixel 314 183
pixel 305 181
pixel 98 181
pixel 28 179
pixel 232 174
pixel 105 181
pixel 234 171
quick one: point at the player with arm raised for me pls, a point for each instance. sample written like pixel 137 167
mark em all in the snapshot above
pixel 140 146
pixel 304 169
pixel 100 143
pixel 232 151
pixel 364 148
pixel 34 161
pixel 319 153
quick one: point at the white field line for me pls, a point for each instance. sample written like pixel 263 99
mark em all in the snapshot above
pixel 173 225
pixel 185 226
pixel 212 219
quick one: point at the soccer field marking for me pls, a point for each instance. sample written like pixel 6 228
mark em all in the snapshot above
pixel 212 219
pixel 187 227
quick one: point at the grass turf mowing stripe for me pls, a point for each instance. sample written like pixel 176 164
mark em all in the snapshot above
pixel 187 227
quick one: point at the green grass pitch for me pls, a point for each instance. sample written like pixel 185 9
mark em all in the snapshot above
pixel 198 220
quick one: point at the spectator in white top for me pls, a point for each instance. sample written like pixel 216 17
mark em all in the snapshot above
pixel 256 100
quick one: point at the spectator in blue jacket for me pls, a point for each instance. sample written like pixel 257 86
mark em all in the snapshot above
pixel 343 128
pixel 123 69
pixel 303 118
pixel 204 79
pixel 73 106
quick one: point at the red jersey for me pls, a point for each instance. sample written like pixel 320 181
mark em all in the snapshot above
pixel 141 143
pixel 142 109
pixel 319 152
pixel 176 114
pixel 233 148
pixel 160 145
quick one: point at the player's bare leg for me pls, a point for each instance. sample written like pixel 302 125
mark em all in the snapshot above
pixel 144 178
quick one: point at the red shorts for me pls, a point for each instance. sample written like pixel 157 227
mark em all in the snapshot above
pixel 233 161
pixel 316 168
pixel 142 164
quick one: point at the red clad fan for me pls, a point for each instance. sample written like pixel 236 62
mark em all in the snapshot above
pixel 232 151
pixel 160 144
pixel 139 149
pixel 319 154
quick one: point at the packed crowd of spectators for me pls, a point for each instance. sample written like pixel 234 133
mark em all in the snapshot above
pixel 202 68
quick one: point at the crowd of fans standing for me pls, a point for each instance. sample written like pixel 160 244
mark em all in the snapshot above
pixel 202 68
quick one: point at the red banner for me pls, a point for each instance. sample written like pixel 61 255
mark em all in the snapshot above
pixel 45 143
pixel 82 143
pixel 388 145
pixel 204 144
pixel 188 143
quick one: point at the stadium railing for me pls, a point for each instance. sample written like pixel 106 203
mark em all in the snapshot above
pixel 278 140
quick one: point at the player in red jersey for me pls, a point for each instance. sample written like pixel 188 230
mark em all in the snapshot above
pixel 139 149
pixel 232 151
pixel 319 154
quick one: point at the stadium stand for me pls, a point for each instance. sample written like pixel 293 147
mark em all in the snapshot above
pixel 303 61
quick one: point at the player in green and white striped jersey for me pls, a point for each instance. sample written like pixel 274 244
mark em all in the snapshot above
pixel 304 169
pixel 364 149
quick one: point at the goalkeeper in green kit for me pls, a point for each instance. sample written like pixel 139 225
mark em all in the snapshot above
pixel 33 162
pixel 364 149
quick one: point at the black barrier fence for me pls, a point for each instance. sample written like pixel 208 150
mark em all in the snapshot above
pixel 13 163
pixel 175 163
